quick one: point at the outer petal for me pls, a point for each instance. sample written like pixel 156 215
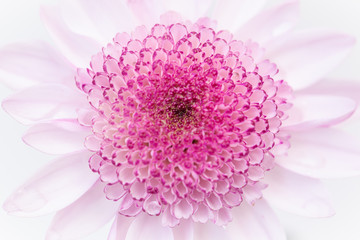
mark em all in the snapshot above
pixel 86 215
pixel 307 56
pixel 210 231
pixel 184 231
pixel 57 137
pixel 271 23
pixel 332 87
pixel 256 222
pixel 231 14
pixel 148 11
pixel 147 227
pixel 120 227
pixel 77 48
pixel 44 102
pixel 98 18
pixel 323 153
pixel 310 111
pixel 54 187
pixel 37 62
pixel 297 194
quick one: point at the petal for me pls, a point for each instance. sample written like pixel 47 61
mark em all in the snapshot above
pixel 297 194
pixel 147 11
pixel 78 21
pixel 184 231
pixel 271 24
pixel 189 9
pixel 307 56
pixel 98 19
pixel 38 62
pixel 57 137
pixel 255 222
pixel 54 187
pixel 44 102
pixel 147 227
pixel 120 227
pixel 86 215
pixel 210 231
pixel 310 111
pixel 323 153
pixel 77 48
pixel 335 87
pixel 231 14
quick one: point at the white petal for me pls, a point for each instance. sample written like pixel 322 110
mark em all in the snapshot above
pixel 307 56
pixel 147 11
pixel 256 222
pixel 184 231
pixel 86 215
pixel 189 9
pixel 231 14
pixel 98 19
pixel 147 227
pixel 38 62
pixel 271 23
pixel 54 187
pixel 323 153
pixel 120 227
pixel 57 137
pixel 210 231
pixel 310 111
pixel 77 48
pixel 335 87
pixel 44 102
pixel 297 194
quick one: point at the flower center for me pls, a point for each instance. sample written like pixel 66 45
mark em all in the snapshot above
pixel 186 121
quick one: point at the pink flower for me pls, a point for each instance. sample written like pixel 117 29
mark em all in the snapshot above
pixel 189 121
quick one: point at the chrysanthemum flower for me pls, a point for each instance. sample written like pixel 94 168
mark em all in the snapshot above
pixel 183 126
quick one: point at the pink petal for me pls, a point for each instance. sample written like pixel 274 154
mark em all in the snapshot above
pixel 223 217
pixel 120 227
pixel 86 215
pixel 147 227
pixel 255 222
pixel 108 173
pixel 271 23
pixel 54 187
pixel 311 111
pixel 182 209
pixel 297 194
pixel 323 153
pixel 43 102
pixel 57 137
pixel 307 56
pixel 38 62
pixel 184 231
pixel 77 48
pixel 231 14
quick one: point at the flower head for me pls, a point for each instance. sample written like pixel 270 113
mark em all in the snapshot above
pixel 184 120
pixel 180 122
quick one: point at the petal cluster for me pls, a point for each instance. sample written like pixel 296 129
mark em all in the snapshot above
pixel 184 121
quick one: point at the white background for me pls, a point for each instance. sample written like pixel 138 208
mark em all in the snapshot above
pixel 19 21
